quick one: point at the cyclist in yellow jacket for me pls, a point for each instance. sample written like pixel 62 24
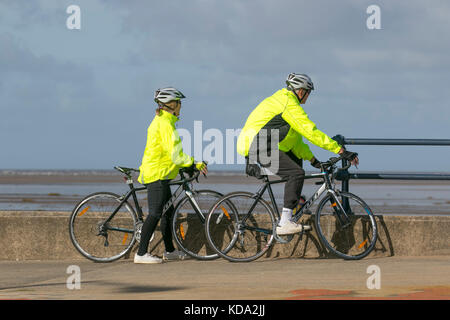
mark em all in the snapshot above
pixel 272 137
pixel 163 157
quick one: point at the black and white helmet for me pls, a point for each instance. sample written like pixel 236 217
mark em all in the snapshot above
pixel 168 94
pixel 297 81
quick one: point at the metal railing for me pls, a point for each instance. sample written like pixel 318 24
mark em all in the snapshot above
pixel 345 176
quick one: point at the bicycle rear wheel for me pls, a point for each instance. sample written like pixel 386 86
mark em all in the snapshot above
pixel 188 227
pixel 96 239
pixel 350 235
pixel 239 228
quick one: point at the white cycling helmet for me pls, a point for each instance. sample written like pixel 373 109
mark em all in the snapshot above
pixel 297 81
pixel 168 94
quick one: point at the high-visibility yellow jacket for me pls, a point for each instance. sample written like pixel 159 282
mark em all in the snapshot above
pixel 163 155
pixel 282 111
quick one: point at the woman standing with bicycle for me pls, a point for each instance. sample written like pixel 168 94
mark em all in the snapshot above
pixel 163 157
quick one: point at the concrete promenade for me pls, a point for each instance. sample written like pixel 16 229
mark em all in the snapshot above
pixel 45 236
pixel 411 261
pixel 401 278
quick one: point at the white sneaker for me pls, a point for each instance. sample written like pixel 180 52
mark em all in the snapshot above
pixel 291 228
pixel 146 258
pixel 175 255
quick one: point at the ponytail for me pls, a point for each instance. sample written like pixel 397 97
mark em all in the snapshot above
pixel 169 107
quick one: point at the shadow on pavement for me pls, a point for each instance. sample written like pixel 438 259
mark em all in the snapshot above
pixel 144 289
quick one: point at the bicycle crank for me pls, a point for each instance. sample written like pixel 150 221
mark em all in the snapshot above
pixel 281 239
pixel 102 227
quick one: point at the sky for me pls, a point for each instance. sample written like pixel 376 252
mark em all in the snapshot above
pixel 83 98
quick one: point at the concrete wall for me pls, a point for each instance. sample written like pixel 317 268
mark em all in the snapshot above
pixel 45 236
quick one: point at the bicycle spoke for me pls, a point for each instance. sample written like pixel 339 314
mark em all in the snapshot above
pixel 97 240
pixel 240 229
pixel 188 227
pixel 350 235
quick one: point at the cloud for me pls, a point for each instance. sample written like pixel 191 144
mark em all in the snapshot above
pixel 255 39
pixel 226 56
pixel 38 83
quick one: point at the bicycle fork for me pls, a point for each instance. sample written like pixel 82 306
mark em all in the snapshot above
pixel 339 210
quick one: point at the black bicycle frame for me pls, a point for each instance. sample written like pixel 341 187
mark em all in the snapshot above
pixel 259 194
pixel 183 186
pixel 132 192
pixel 341 211
pixel 267 186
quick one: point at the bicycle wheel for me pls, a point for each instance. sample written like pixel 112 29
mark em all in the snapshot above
pixel 239 228
pixel 96 239
pixel 351 235
pixel 188 227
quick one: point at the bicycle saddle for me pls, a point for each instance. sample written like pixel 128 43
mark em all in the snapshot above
pixel 126 170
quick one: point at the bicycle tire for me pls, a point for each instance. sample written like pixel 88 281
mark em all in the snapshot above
pixel 189 230
pixel 353 239
pixel 233 239
pixel 105 245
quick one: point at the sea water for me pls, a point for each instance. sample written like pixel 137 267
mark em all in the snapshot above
pixel 385 197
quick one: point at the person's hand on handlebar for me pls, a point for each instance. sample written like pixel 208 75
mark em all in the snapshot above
pixel 202 167
pixel 315 163
pixel 197 166
pixel 350 156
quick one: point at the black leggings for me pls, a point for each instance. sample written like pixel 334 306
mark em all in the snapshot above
pixel 158 193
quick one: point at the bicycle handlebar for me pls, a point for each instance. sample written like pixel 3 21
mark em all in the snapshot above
pixel 332 161
pixel 194 176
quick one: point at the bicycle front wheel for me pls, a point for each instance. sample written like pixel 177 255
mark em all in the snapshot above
pixel 98 235
pixel 188 225
pixel 350 234
pixel 239 228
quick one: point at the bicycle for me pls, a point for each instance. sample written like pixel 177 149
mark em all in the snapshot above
pixel 241 226
pixel 104 226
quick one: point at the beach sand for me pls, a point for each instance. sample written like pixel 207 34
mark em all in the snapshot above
pixel 213 177
pixel 48 190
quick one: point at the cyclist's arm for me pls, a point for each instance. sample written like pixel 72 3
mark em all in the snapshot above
pixel 299 121
pixel 301 150
pixel 171 144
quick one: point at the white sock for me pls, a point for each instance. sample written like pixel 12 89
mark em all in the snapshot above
pixel 286 216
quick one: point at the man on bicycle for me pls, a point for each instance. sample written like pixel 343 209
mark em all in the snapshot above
pixel 275 128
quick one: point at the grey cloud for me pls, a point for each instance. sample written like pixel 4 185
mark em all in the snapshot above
pixel 242 35
pixel 28 13
pixel 34 83
pixel 227 56
pixel 264 37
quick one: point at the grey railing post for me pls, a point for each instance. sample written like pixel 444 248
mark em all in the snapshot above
pixel 344 173
pixel 341 140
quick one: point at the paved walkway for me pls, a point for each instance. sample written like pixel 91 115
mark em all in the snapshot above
pixel 399 278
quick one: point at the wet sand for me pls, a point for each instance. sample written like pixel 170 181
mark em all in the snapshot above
pixel 213 177
pixel 43 191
